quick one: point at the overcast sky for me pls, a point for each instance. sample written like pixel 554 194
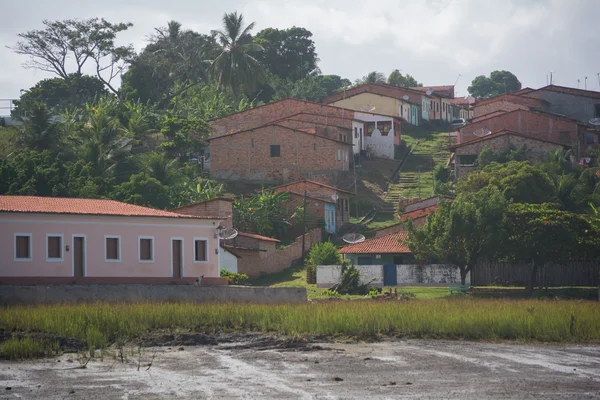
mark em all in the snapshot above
pixel 433 40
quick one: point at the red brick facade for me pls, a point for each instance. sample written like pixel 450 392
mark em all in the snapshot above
pixel 275 153
pixel 396 92
pixel 508 102
pixel 267 113
pixel 317 196
pixel 219 207
pixel 532 123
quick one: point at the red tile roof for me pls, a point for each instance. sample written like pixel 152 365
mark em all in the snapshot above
pixel 568 90
pixel 419 213
pixel 259 237
pixel 392 243
pixel 231 133
pixel 511 98
pixel 503 132
pixel 60 205
pixel 314 183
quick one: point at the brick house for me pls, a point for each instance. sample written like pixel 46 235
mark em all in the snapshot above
pixel 293 110
pixel 536 124
pixel 324 203
pixel 277 153
pixel 507 102
pixel 465 154
pixel 219 207
pixel 443 109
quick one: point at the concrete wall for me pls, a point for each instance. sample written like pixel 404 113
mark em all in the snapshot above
pixel 407 275
pixel 429 275
pixel 329 275
pixel 573 106
pixel 53 294
pixel 228 261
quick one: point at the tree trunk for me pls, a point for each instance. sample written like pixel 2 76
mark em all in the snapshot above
pixel 532 277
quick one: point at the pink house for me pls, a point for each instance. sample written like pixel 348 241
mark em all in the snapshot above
pixel 61 240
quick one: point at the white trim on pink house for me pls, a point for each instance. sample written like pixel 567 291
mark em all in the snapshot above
pixel 62 247
pixel 140 249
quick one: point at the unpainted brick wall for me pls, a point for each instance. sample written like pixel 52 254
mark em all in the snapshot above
pixel 506 103
pixel 218 208
pixel 257 263
pixel 246 155
pixel 538 125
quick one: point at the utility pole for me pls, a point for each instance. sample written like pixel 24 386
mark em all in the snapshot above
pixel 304 225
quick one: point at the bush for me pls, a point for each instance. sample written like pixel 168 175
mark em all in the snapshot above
pixel 350 282
pixel 235 279
pixel 324 253
pixel 2 121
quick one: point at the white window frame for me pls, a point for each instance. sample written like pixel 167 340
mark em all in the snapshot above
pixel 17 259
pixel 339 155
pixel 140 250
pixel 118 248
pixel 84 236
pixel 207 252
pixel 181 255
pixel 62 247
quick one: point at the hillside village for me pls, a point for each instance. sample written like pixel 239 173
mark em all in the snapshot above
pixel 375 162
pixel 210 215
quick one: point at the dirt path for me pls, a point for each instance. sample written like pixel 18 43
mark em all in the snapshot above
pixel 419 369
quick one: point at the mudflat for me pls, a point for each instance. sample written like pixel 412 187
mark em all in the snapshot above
pixel 255 368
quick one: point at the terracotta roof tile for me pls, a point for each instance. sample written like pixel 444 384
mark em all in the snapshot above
pixel 421 212
pixel 503 132
pixel 259 237
pixel 314 183
pixel 60 205
pixel 392 243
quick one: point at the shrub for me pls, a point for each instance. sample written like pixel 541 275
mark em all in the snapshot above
pixel 350 281
pixel 235 279
pixel 16 348
pixel 324 253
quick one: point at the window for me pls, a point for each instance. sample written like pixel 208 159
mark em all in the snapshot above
pixel 112 248
pixel 597 109
pixel 437 106
pixel 384 127
pixel 146 248
pixel 467 160
pixel 589 138
pixel 275 150
pixel 54 245
pixel 339 154
pixel 200 250
pixel 370 127
pixel 355 133
pixel 361 130
pixel 22 246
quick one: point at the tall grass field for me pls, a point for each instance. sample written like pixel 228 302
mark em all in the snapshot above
pixel 100 325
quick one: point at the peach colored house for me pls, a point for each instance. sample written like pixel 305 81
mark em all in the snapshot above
pixel 62 240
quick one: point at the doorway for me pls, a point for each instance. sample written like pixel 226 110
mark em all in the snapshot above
pixel 177 258
pixel 79 256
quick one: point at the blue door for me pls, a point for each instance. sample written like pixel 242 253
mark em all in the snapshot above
pixel 389 275
pixel 330 218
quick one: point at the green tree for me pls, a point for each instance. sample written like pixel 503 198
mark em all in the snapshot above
pixel 172 62
pixel 236 67
pixel 542 233
pixel 499 82
pixel 371 77
pixel 59 94
pixel 463 232
pixel 308 88
pixel 397 79
pixel 288 53
pixel 324 253
pixel 143 190
pixel 520 182
pixel 332 83
pixel 69 43
pixel 40 132
pixel 262 213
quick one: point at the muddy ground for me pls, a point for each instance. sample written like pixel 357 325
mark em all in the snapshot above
pixel 258 367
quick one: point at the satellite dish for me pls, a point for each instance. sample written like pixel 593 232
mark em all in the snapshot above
pixel 405 97
pixel 226 233
pixel 335 197
pixel 429 91
pixel 595 122
pixel 353 238
pixel 481 132
pixel 368 108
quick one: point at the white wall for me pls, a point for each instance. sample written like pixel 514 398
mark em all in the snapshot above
pixel 407 275
pixel 358 142
pixel 429 275
pixel 381 146
pixel 227 261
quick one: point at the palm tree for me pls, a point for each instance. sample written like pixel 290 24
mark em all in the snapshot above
pixel 372 77
pixel 40 132
pixel 236 66
pixel 160 167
